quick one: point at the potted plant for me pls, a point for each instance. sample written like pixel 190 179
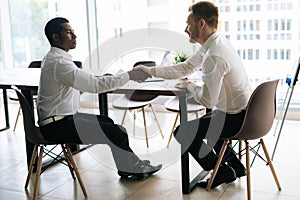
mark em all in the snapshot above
pixel 180 57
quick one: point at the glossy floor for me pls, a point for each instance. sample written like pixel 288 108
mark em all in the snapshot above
pixel 102 182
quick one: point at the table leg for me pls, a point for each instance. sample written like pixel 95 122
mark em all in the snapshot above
pixel 186 184
pixel 5 103
pixel 185 171
pixel 103 104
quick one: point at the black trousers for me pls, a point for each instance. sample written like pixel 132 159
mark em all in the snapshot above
pixel 83 128
pixel 212 126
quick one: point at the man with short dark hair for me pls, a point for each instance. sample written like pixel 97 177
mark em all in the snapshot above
pixel 59 96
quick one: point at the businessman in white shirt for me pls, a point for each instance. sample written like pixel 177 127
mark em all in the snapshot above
pixel 226 91
pixel 61 83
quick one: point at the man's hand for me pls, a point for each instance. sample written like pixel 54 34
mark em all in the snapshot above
pixel 138 75
pixel 183 84
pixel 149 70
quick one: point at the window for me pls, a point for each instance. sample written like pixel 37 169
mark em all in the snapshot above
pixel 282 54
pixel 226 26
pixel 144 15
pixel 275 54
pixel 276 25
pixel 257 23
pixel 28 40
pixel 269 54
pixel 269 25
pixel 157 3
pixel 257 54
pixel 282 24
pixel 1 62
pixel 250 54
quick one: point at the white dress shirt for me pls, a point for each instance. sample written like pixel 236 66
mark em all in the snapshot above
pixel 226 86
pixel 61 82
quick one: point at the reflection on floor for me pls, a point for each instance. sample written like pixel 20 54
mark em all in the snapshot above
pixel 102 182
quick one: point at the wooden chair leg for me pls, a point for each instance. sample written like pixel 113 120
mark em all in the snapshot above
pixel 197 115
pixel 17 118
pixel 123 119
pixel 134 121
pixel 248 170
pixel 145 126
pixel 222 152
pixel 270 164
pixel 240 149
pixel 68 161
pixel 38 173
pixel 174 125
pixel 74 165
pixel 33 157
pixel 153 111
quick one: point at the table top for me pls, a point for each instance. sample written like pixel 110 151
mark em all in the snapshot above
pixel 28 78
pixel 166 87
pixel 23 78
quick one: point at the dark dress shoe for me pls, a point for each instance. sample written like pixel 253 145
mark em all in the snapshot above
pixel 240 172
pixel 239 168
pixel 225 174
pixel 143 171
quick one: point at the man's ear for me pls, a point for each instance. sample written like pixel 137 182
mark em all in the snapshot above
pixel 201 23
pixel 55 37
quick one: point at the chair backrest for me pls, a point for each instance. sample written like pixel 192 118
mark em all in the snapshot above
pixel 260 112
pixel 37 64
pixel 32 132
pixel 144 97
pixel 146 63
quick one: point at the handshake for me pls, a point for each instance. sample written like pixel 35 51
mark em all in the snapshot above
pixel 138 74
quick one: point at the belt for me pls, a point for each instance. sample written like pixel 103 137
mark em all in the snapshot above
pixel 50 120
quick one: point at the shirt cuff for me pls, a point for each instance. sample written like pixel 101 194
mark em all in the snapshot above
pixel 192 88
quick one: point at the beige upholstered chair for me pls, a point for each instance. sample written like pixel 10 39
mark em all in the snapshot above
pixel 260 114
pixel 192 107
pixel 34 135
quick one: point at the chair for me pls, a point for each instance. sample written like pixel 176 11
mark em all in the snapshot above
pixel 13 97
pixel 259 117
pixel 33 134
pixel 173 106
pixel 134 102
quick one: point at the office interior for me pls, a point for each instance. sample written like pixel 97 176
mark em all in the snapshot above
pixel 98 23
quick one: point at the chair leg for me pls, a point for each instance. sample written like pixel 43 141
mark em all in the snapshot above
pixel 134 121
pixel 145 126
pixel 197 115
pixel 74 165
pixel 270 164
pixel 153 111
pixel 17 118
pixel 31 165
pixel 222 152
pixel 248 170
pixel 123 119
pixel 38 173
pixel 68 161
pixel 172 130
pixel 240 149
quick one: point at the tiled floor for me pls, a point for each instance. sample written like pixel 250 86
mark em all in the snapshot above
pixel 102 182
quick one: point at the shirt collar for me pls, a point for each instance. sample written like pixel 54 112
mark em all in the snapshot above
pixel 208 42
pixel 61 52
